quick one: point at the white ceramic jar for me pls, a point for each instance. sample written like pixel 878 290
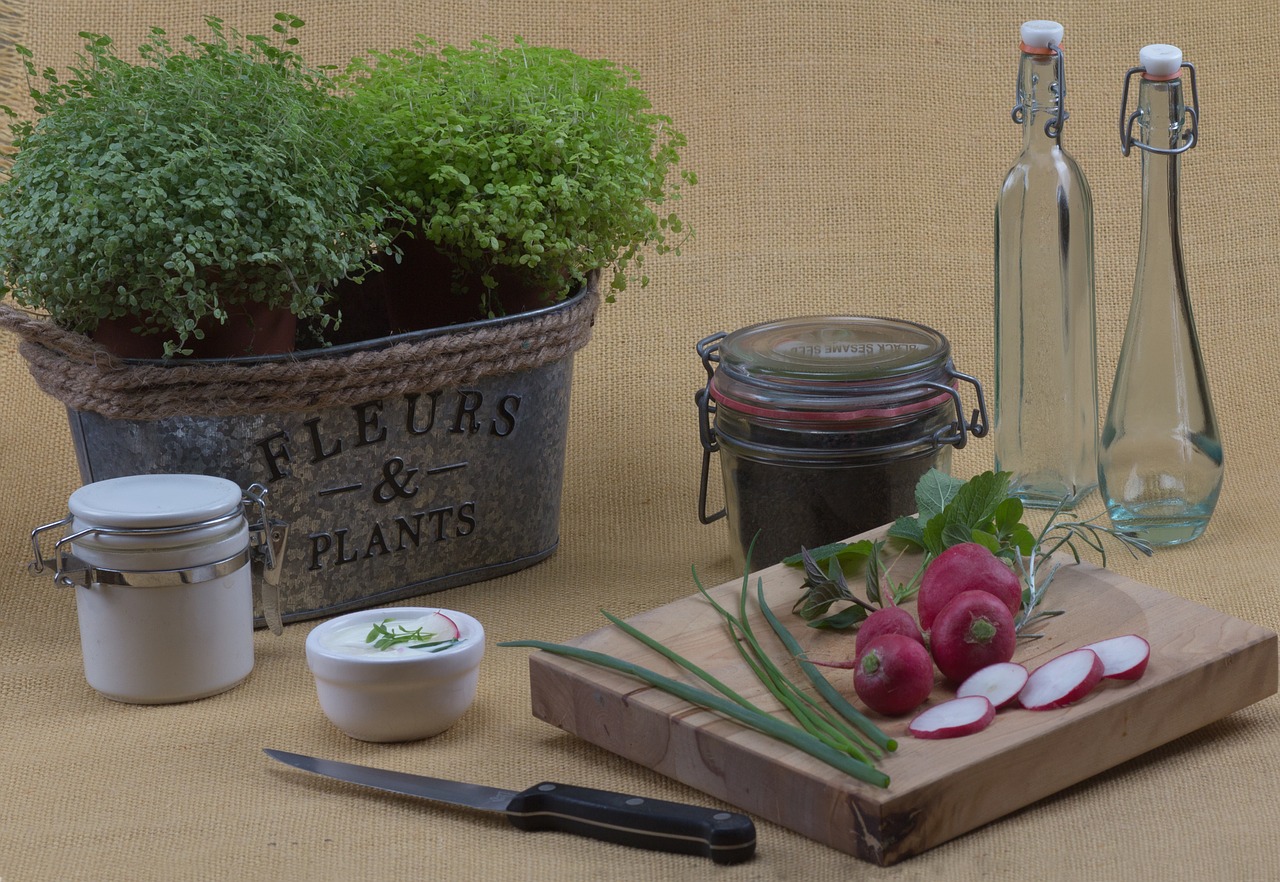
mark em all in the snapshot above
pixel 160 565
pixel 400 694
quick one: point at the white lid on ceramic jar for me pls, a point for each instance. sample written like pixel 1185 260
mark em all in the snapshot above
pixel 147 501
pixel 1041 33
pixel 158 522
pixel 1160 60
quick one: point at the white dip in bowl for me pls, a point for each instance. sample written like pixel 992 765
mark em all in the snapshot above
pixel 405 692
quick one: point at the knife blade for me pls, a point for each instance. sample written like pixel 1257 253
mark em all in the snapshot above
pixel 725 837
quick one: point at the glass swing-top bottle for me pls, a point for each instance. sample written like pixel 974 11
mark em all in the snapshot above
pixel 1046 398
pixel 1160 464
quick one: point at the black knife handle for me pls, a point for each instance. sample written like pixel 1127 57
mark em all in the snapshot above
pixel 725 837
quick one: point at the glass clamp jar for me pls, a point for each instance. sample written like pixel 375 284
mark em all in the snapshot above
pixel 824 426
pixel 161 565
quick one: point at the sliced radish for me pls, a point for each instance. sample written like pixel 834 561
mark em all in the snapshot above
pixel 1062 680
pixel 441 626
pixel 1123 658
pixel 951 719
pixel 1000 683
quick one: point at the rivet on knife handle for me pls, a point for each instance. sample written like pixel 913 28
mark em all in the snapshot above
pixel 725 837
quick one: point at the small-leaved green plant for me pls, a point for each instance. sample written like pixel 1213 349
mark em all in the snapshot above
pixel 218 171
pixel 524 157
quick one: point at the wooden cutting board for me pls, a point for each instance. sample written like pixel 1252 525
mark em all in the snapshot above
pixel 1204 665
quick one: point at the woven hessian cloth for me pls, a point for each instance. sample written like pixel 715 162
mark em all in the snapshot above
pixel 849 154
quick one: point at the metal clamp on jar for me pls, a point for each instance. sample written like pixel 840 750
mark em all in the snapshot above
pixel 824 426
pixel 161 565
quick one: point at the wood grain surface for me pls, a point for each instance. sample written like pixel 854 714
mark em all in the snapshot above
pixel 1204 665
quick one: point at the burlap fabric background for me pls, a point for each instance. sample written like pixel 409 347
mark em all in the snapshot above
pixel 849 153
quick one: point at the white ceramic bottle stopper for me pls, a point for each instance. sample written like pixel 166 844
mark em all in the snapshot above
pixel 1041 34
pixel 1160 60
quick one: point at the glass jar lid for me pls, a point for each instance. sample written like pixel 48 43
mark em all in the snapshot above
pixel 838 366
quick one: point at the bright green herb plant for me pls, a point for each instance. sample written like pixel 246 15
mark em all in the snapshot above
pixel 217 171
pixel 523 157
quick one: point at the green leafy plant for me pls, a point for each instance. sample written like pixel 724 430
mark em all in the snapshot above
pixel 523 158
pixel 217 172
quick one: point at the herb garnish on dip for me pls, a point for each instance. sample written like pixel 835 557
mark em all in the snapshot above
pixel 430 633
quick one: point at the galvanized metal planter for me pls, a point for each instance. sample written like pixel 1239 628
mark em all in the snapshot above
pixel 386 496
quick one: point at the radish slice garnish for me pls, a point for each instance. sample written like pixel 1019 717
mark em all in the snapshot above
pixel 1123 658
pixel 1000 683
pixel 441 626
pixel 951 719
pixel 1059 682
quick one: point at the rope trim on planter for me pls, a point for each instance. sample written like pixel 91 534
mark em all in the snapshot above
pixel 85 377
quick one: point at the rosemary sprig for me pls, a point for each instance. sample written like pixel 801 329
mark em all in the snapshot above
pixel 1038 567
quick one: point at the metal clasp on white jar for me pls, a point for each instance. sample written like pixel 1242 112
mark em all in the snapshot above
pixel 161 567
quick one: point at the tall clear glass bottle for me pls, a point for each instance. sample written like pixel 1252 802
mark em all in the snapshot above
pixel 1046 392
pixel 1160 465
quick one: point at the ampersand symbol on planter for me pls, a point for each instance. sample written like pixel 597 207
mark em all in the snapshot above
pixel 391 486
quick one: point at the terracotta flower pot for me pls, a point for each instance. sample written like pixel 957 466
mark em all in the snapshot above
pixel 420 290
pixel 251 329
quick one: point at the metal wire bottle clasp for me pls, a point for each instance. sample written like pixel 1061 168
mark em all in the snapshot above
pixel 1189 132
pixel 1053 126
pixel 709 352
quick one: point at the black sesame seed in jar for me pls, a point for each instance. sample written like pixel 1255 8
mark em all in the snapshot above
pixel 824 426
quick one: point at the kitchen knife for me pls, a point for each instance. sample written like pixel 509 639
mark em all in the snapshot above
pixel 725 837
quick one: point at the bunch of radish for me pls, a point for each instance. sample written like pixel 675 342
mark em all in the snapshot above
pixel 967 604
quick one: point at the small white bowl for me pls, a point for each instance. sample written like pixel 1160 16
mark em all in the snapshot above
pixel 400 694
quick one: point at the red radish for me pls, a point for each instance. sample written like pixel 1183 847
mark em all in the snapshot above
pixel 889 620
pixel 1062 680
pixel 1000 683
pixel 951 719
pixel 1123 658
pixel 894 674
pixel 965 567
pixel 972 631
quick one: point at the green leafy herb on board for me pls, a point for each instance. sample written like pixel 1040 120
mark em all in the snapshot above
pixel 825 588
pixel 951 511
